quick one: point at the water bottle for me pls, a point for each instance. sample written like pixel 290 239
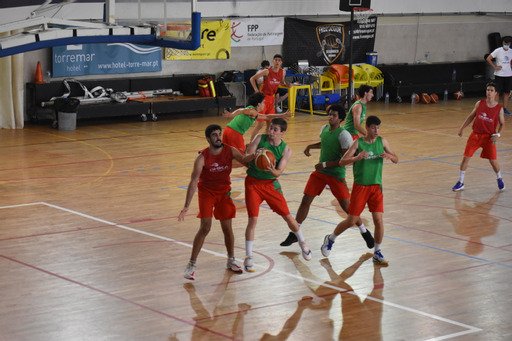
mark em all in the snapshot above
pixel 386 98
pixel 454 75
pixel 445 96
pixel 413 98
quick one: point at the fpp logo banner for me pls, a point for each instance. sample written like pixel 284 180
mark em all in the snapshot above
pixel 331 39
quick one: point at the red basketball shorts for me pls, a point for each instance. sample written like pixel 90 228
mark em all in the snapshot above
pixel 215 204
pixel 484 141
pixel 270 108
pixel 317 182
pixel 233 138
pixel 257 191
pixel 362 195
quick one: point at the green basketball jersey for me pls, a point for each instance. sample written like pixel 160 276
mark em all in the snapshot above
pixel 241 123
pixel 278 153
pixel 330 150
pixel 368 171
pixel 349 120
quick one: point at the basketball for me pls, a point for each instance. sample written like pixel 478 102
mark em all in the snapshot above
pixel 265 159
pixel 425 98
pixel 434 98
pixel 458 95
pixel 415 98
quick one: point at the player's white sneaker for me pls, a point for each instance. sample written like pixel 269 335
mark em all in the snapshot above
pixel 249 264
pixel 326 246
pixel 306 251
pixel 190 271
pixel 378 258
pixel 233 266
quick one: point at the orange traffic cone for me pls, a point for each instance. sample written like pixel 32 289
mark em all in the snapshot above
pixel 38 76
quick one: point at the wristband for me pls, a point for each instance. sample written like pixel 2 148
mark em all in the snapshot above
pixel 324 164
pixel 497 134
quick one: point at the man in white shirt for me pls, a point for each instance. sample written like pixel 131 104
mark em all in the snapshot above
pixel 502 65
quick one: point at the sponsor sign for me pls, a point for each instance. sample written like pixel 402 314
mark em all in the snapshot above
pixel 257 32
pixel 97 59
pixel 215 43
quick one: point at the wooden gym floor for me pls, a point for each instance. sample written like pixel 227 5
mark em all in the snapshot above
pixel 90 247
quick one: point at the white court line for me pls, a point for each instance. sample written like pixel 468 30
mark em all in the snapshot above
pixel 470 329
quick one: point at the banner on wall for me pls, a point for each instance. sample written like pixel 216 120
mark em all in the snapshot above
pixel 322 43
pixel 97 59
pixel 257 32
pixel 215 43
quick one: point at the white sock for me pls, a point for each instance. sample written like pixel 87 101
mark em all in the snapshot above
pixel 498 175
pixel 461 176
pixel 248 247
pixel 362 228
pixel 332 237
pixel 377 247
pixel 299 235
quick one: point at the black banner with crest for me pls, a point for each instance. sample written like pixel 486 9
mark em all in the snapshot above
pixel 324 43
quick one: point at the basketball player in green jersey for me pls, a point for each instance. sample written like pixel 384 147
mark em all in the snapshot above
pixel 367 188
pixel 243 119
pixel 334 142
pixel 263 185
pixel 357 112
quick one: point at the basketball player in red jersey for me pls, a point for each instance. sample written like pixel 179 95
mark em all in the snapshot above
pixel 272 78
pixel 211 175
pixel 488 119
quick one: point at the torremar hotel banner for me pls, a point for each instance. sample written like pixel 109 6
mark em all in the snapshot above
pixel 257 31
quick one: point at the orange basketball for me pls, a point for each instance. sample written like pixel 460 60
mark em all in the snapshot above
pixel 458 95
pixel 415 98
pixel 265 159
pixel 425 98
pixel 434 98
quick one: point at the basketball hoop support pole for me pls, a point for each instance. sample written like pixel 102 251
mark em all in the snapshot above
pixel 350 73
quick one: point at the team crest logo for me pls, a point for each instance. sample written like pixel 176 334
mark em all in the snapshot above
pixel 331 38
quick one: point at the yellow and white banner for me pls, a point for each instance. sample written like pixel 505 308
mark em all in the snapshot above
pixel 215 43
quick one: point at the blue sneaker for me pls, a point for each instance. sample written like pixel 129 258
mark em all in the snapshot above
pixel 326 246
pixel 459 186
pixel 501 185
pixel 378 258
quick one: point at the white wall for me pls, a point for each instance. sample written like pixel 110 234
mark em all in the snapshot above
pixel 400 38
pixel 221 9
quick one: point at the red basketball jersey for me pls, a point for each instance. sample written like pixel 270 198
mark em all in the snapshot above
pixel 271 82
pixel 486 119
pixel 216 171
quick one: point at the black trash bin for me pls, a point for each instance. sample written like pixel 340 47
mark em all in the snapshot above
pixel 66 109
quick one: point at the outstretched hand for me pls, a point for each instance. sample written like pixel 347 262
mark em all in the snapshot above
pixel 226 113
pixel 286 114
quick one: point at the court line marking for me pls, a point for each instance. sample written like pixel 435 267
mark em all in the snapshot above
pixel 469 329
